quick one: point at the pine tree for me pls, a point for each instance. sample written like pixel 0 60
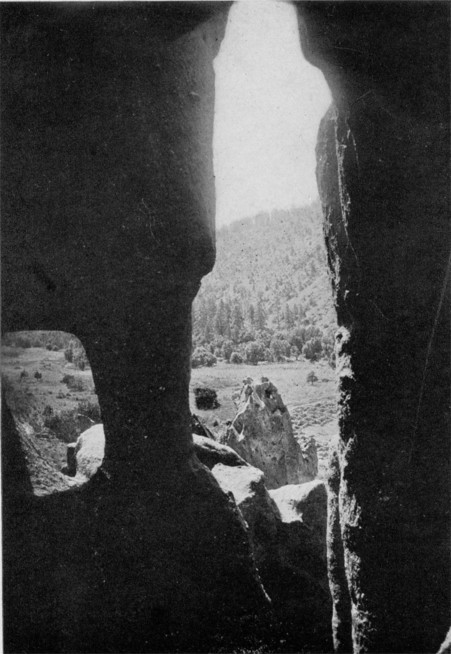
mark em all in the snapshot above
pixel 289 322
pixel 260 316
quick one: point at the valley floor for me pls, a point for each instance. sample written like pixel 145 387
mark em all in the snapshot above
pixel 312 406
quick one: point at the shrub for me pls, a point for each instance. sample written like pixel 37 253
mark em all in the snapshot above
pixel 202 357
pixel 48 411
pixel 294 352
pixel 280 348
pixel 75 353
pixel 22 341
pixel 227 349
pixel 313 349
pixel 236 358
pixel 91 410
pixel 254 352
pixel 268 355
pixel 312 378
pixel 74 383
pixel 69 354
pixel 63 424
pixel 206 398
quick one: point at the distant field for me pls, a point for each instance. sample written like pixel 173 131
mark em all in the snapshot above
pixel 30 400
pixel 289 378
pixel 30 396
pixel 312 407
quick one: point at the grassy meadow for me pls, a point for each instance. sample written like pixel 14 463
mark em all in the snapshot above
pixel 312 406
pixel 63 401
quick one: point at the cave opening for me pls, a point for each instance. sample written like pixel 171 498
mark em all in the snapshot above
pixel 49 389
pixel 266 309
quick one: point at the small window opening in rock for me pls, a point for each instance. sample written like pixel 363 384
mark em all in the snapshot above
pixel 267 306
pixel 49 389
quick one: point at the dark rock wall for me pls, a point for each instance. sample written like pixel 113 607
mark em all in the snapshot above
pixel 383 174
pixel 108 201
pixel 108 227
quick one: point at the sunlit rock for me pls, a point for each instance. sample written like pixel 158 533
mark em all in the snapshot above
pixel 262 434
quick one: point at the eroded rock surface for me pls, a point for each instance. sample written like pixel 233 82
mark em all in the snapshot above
pixel 306 503
pixel 262 434
pixel 445 647
pixel 211 453
pixel 287 528
pixel 89 451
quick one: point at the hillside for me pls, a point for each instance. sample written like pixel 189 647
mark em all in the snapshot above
pixel 270 282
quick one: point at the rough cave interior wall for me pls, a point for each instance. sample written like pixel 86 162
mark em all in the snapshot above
pixel 383 176
pixel 107 218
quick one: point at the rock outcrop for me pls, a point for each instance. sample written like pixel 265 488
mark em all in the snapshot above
pixel 263 435
pixel 211 453
pixel 89 451
pixel 86 455
pixel 306 503
pixel 309 450
pixel 287 529
pixel 247 485
pixel 198 427
pixel 445 647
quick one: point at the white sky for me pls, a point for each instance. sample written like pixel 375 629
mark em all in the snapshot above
pixel 269 102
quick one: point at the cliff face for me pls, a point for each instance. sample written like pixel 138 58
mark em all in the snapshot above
pixel 108 226
pixel 383 178
pixel 262 434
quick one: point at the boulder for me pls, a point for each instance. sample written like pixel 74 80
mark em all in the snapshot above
pixel 305 503
pixel 247 485
pixel 287 529
pixel 262 434
pixel 309 451
pixel 297 579
pixel 89 450
pixel 206 398
pixel 197 427
pixel 85 456
pixel 211 453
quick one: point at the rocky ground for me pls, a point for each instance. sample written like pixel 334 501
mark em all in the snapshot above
pixel 312 406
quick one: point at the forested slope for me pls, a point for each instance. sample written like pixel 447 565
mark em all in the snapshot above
pixel 269 288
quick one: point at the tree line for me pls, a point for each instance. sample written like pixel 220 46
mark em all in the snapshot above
pixel 269 296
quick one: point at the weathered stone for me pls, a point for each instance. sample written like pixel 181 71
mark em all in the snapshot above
pixel 210 453
pixel 309 452
pixel 89 451
pixel 383 176
pixel 71 468
pixel 262 434
pixel 288 534
pixel 306 503
pixel 296 580
pixel 247 484
pixel 338 583
pixel 445 647
pixel 107 230
pixel 197 427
